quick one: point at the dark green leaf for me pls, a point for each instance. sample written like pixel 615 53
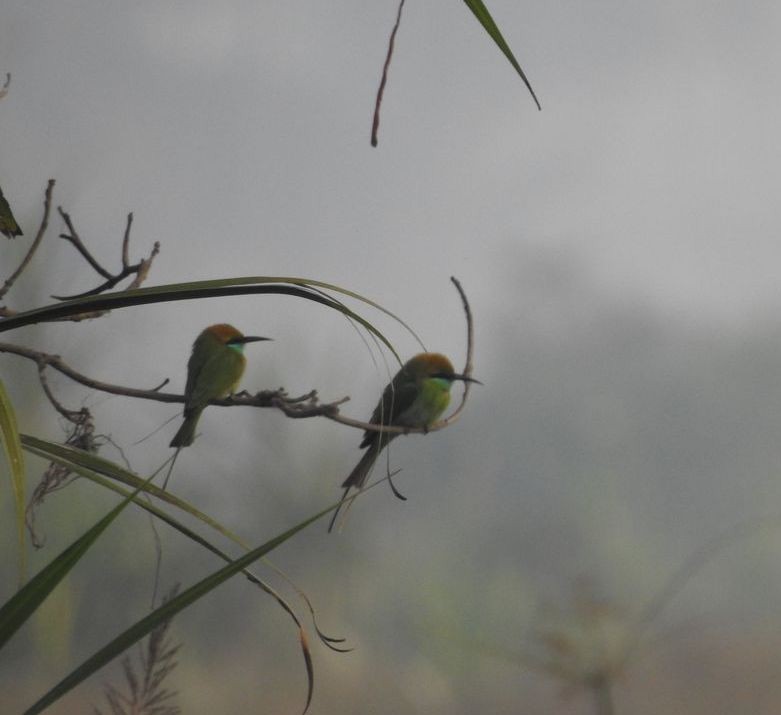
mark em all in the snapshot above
pixel 164 613
pixel 484 17
pixel 9 433
pixel 296 287
pixel 27 599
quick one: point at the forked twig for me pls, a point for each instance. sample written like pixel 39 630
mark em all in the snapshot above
pixel 140 269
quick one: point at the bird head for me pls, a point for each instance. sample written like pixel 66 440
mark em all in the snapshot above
pixel 435 366
pixel 230 336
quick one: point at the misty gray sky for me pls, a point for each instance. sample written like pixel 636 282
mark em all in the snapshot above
pixel 247 123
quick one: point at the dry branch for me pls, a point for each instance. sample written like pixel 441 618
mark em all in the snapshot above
pixel 139 270
pixel 304 406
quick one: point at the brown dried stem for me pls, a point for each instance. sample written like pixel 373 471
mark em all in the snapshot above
pixel 301 407
pixel 140 269
pixel 384 79
pixel 47 202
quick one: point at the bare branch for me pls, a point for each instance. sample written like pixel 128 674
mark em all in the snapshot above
pixel 301 407
pixel 4 90
pixel 74 416
pixel 468 365
pixel 81 435
pixel 126 241
pixel 140 269
pixel 74 238
pixel 384 79
pixel 47 201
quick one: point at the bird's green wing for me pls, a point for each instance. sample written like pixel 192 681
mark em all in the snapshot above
pixel 198 358
pixel 219 372
pixel 397 397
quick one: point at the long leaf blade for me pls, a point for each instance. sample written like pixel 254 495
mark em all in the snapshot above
pixel 480 11
pixel 75 461
pixel 252 285
pixel 164 613
pixel 12 448
pixel 78 460
pixel 15 611
pixel 297 287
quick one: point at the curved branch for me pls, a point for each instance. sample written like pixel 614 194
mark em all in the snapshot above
pixel 301 407
pixel 140 269
pixel 441 424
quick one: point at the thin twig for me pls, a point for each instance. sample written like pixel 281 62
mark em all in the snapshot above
pixel 304 406
pixel 4 90
pixel 47 201
pixel 384 79
pixel 73 416
pixel 75 240
pixel 468 365
pixel 140 269
pixel 126 241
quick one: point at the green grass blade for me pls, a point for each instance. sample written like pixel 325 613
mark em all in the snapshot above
pixel 97 469
pixel 165 613
pixel 484 17
pixel 254 285
pixel 15 611
pixel 78 461
pixel 74 460
pixel 12 448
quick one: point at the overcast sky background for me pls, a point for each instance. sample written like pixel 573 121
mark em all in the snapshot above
pixel 620 250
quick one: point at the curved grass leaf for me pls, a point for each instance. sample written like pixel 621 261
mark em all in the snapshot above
pixel 96 468
pixel 9 433
pixel 164 613
pixel 79 460
pixel 27 599
pixel 76 461
pixel 484 17
pixel 250 285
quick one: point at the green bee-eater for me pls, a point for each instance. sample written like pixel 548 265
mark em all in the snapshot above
pixel 214 370
pixel 8 225
pixel 416 397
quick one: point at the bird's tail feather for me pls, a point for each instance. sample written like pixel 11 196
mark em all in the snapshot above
pixel 360 474
pixel 357 479
pixel 337 510
pixel 186 434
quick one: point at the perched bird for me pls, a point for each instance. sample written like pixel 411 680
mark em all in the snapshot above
pixel 8 225
pixel 416 397
pixel 214 370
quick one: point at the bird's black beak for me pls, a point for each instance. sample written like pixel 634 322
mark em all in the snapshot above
pixel 244 339
pixel 456 376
